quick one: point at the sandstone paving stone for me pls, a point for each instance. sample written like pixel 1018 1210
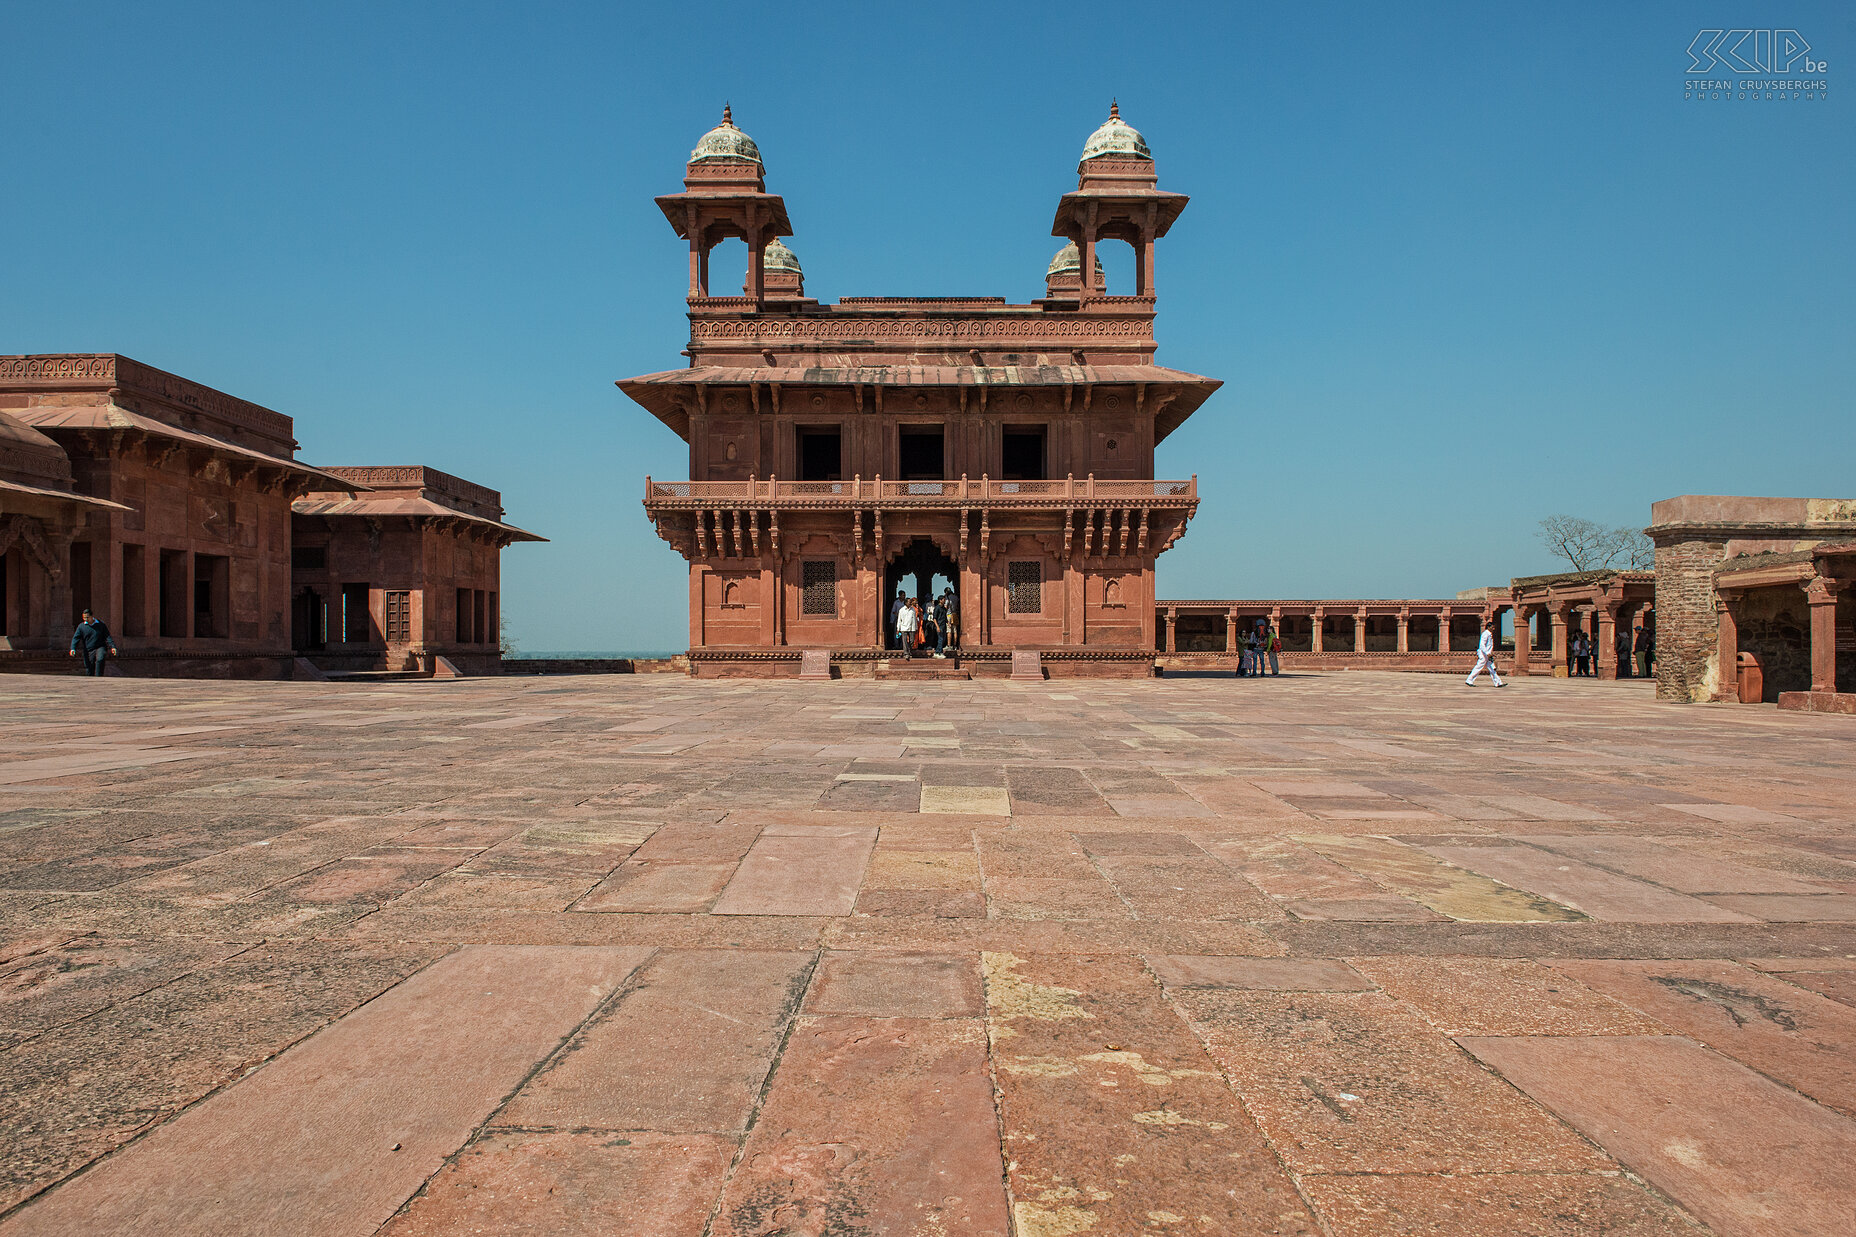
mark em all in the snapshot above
pixel 1184 887
pixel 966 800
pixel 1359 1082
pixel 940 903
pixel 1591 890
pixel 685 1050
pixel 1444 887
pixel 67 980
pixel 1112 1113
pixel 1503 996
pixel 873 1125
pixel 923 869
pixel 1020 852
pixel 1739 1152
pixel 1380 908
pixel 899 984
pixel 1491 1204
pixel 83 1090
pixel 374 877
pixel 1675 869
pixel 557 1183
pixel 1801 1039
pixel 1033 897
pixel 1269 974
pixel 322 1139
pixel 1790 907
pixel 801 870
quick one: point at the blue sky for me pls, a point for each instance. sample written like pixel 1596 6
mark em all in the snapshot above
pixel 1459 266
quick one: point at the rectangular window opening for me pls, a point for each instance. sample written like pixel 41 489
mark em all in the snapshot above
pixel 821 455
pixel 921 453
pixel 212 596
pixel 309 557
pixel 134 616
pixel 818 587
pixel 80 580
pixel 357 623
pixel 173 590
pixel 1024 587
pixel 1024 454
pixel 463 613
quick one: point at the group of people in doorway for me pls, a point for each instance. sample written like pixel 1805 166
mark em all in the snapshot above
pixel 1636 647
pixel 925 629
pixel 1260 645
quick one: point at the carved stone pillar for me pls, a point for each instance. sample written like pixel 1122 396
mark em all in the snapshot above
pixel 1556 619
pixel 1230 631
pixel 1171 614
pixel 1443 630
pixel 1822 594
pixel 1727 648
pixel 1523 639
pixel 1315 619
pixel 1404 630
pixel 1359 630
pixel 1606 653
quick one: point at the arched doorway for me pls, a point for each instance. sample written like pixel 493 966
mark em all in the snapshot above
pixel 922 570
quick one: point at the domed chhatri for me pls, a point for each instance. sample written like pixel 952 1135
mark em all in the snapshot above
pixel 780 259
pixel 1068 259
pixel 727 142
pixel 1116 137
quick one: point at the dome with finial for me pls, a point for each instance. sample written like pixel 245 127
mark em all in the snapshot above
pixel 779 258
pixel 726 142
pixel 1069 260
pixel 1116 137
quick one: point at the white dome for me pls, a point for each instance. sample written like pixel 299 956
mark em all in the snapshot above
pixel 1116 137
pixel 779 258
pixel 725 142
pixel 1068 259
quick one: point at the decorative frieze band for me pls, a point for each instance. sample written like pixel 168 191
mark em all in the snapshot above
pixel 1137 328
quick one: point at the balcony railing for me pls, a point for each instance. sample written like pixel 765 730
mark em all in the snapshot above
pixel 878 492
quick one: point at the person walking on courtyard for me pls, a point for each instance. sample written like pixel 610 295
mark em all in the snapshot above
pixel 1272 644
pixel 907 621
pixel 895 614
pixel 92 638
pixel 1246 654
pixel 950 605
pixel 1622 652
pixel 1644 645
pixel 1485 657
pixel 1581 656
pixel 931 630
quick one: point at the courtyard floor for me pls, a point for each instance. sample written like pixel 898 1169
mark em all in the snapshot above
pixel 1348 954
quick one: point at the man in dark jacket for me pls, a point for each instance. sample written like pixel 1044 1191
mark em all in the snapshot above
pixel 1646 651
pixel 1623 652
pixel 93 639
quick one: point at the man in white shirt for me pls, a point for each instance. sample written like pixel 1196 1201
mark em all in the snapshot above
pixel 1485 657
pixel 907 620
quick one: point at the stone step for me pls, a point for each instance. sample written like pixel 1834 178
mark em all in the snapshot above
pixel 921 668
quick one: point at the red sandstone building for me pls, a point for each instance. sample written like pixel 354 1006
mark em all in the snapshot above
pixel 166 506
pixel 404 575
pixel 838 450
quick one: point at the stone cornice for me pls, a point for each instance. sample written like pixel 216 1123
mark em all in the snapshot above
pixel 112 372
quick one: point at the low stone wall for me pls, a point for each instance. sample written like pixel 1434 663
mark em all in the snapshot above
pixel 152 665
pixel 860 663
pixel 1431 662
pixel 595 665
pixel 1819 702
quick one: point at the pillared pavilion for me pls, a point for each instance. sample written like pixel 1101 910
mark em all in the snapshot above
pixel 839 452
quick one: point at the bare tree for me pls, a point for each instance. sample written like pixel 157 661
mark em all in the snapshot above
pixel 1586 544
pixel 1639 550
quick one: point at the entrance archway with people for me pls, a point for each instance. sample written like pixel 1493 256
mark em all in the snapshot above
pixel 922 570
